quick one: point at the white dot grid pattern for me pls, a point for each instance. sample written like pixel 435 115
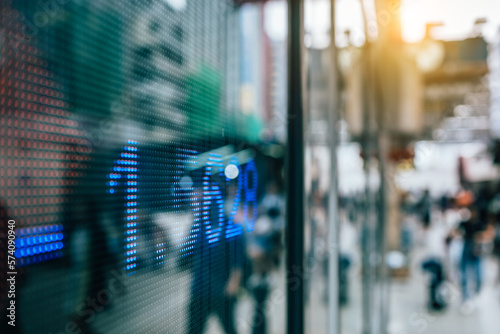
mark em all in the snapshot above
pixel 159 77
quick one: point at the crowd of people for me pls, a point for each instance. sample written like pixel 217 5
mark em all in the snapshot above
pixel 458 233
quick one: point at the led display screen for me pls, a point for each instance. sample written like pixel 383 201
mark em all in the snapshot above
pixel 135 163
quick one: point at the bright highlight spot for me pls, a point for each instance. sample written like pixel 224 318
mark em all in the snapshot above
pixel 231 171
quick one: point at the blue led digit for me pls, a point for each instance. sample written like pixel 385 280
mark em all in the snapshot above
pixel 126 168
pixel 233 229
pixel 38 243
pixel 250 175
pixel 212 199
pixel 212 196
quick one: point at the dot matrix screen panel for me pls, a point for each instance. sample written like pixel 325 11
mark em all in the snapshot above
pixel 123 165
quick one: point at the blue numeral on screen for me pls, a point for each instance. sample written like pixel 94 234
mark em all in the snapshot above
pixel 125 169
pixel 250 180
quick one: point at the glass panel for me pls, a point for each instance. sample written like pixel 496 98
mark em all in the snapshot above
pixel 318 246
pixel 141 159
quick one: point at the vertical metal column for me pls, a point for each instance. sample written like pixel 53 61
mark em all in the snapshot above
pixel 295 172
pixel 368 228
pixel 382 277
pixel 383 146
pixel 333 214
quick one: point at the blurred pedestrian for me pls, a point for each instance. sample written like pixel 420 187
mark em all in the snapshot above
pixel 434 259
pixel 478 236
pixel 425 209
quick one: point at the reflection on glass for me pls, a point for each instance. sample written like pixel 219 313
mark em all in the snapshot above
pixel 142 162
